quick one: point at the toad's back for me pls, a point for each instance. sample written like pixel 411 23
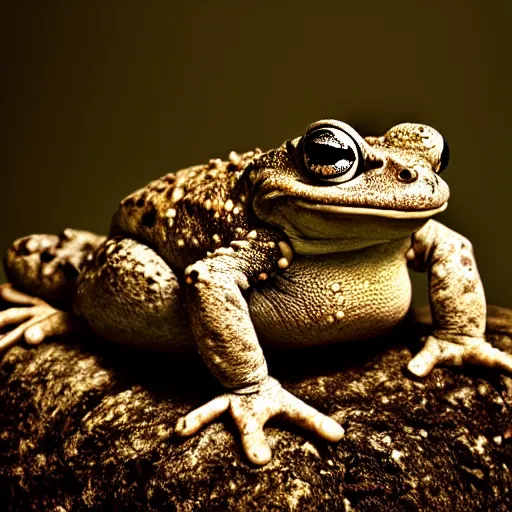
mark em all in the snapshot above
pixel 186 214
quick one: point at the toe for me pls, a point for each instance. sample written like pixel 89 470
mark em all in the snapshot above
pixel 485 354
pixel 34 335
pixel 10 294
pixel 310 419
pixel 11 338
pixel 426 359
pixel 15 316
pixel 198 418
pixel 327 428
pixel 254 442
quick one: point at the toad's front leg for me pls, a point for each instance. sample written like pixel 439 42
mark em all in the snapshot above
pixel 457 300
pixel 228 343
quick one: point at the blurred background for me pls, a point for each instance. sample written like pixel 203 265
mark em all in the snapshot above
pixel 98 98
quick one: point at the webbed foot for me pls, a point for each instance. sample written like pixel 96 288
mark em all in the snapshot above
pixel 251 410
pixel 37 319
pixel 458 350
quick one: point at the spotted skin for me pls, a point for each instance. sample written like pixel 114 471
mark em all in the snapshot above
pixel 194 211
pixel 303 244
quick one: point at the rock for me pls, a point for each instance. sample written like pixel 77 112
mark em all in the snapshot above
pixel 85 425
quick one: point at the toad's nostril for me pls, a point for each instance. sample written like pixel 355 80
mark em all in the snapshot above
pixel 407 175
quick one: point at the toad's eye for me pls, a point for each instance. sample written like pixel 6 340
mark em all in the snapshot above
pixel 331 155
pixel 445 156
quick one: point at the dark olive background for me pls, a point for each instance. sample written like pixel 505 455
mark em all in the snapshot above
pixel 98 98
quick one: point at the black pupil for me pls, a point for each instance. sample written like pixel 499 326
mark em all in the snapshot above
pixel 405 174
pixel 445 155
pixel 324 150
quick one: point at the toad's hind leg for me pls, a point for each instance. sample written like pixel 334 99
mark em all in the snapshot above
pixel 46 266
pixel 42 271
pixel 129 294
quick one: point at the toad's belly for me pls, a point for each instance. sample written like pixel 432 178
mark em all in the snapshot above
pixel 336 297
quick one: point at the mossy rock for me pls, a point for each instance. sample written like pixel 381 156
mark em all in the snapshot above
pixel 87 425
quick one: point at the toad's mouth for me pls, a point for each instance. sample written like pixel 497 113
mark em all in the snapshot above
pixel 372 212
pixel 319 228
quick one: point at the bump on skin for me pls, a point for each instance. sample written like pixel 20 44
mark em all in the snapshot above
pixel 283 263
pixel 228 205
pixel 239 244
pixel 286 251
